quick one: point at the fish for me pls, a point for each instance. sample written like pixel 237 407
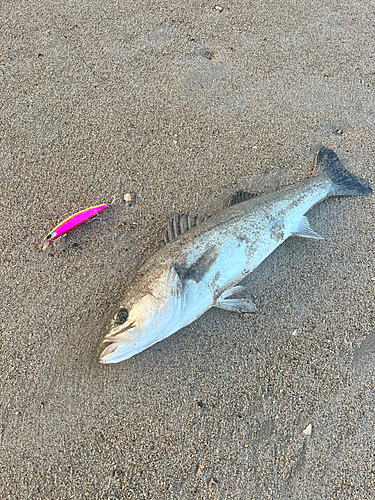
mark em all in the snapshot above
pixel 201 266
pixel 73 221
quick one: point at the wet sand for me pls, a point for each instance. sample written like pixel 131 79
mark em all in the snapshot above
pixel 179 103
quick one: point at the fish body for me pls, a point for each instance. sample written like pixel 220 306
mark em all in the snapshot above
pixel 203 266
pixel 73 221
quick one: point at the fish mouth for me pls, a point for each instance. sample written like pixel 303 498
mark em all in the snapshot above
pixel 117 330
pixel 114 353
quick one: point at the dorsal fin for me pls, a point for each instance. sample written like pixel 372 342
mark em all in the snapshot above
pixel 180 223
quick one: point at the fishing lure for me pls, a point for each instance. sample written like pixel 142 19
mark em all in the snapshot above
pixel 73 221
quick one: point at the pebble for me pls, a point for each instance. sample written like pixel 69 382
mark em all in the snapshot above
pixel 129 199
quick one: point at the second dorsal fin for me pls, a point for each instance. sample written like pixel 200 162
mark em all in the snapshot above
pixel 240 196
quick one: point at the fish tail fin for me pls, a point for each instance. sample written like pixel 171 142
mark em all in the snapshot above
pixel 344 182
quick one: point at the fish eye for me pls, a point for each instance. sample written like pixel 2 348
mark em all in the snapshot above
pixel 121 316
pixel 49 236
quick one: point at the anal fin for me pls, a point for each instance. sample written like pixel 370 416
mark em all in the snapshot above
pixel 243 305
pixel 304 230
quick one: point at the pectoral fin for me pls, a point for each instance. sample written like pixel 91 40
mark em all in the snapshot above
pixel 243 305
pixel 304 230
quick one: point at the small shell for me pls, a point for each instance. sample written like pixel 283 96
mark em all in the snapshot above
pixel 308 430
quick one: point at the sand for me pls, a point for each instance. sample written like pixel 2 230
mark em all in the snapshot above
pixel 178 103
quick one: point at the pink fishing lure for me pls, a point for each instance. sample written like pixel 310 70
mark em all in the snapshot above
pixel 73 221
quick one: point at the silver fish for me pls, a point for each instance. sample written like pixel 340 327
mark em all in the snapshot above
pixel 202 266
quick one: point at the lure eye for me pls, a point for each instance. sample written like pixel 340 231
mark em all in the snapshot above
pixel 121 316
pixel 50 236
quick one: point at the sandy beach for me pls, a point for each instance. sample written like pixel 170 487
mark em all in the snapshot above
pixel 180 103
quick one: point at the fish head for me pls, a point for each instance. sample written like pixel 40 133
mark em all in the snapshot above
pixel 149 312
